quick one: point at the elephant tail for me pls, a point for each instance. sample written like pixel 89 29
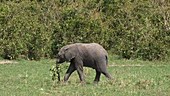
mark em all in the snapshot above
pixel 106 60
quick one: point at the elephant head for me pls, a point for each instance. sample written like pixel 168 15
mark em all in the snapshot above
pixel 66 53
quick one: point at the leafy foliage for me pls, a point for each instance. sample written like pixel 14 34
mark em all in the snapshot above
pixel 32 29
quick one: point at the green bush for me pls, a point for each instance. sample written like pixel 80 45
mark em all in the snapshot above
pixel 34 29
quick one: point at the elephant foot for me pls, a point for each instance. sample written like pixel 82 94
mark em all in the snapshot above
pixel 63 82
pixel 83 82
pixel 95 82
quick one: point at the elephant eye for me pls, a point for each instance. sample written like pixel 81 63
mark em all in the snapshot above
pixel 66 49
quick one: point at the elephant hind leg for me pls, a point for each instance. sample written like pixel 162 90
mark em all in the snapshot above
pixel 97 78
pixel 107 75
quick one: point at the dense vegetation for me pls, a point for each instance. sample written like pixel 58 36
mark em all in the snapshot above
pixel 32 29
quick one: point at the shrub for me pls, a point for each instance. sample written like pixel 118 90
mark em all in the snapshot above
pixel 33 29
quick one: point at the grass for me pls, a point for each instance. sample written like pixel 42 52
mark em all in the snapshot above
pixel 132 78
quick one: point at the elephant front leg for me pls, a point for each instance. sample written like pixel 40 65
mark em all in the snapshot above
pixel 80 73
pixel 70 70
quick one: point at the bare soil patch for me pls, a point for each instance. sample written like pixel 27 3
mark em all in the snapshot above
pixel 7 62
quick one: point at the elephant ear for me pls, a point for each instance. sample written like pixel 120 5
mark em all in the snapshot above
pixel 69 53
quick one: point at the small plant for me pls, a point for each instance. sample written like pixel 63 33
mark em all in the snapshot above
pixel 55 70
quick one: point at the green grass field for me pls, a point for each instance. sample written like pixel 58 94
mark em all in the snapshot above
pixel 131 78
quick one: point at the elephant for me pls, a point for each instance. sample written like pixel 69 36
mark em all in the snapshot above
pixel 91 55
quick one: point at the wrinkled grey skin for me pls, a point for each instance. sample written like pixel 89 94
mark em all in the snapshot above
pixel 84 54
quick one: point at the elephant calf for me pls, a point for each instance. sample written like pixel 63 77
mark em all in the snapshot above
pixel 81 54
